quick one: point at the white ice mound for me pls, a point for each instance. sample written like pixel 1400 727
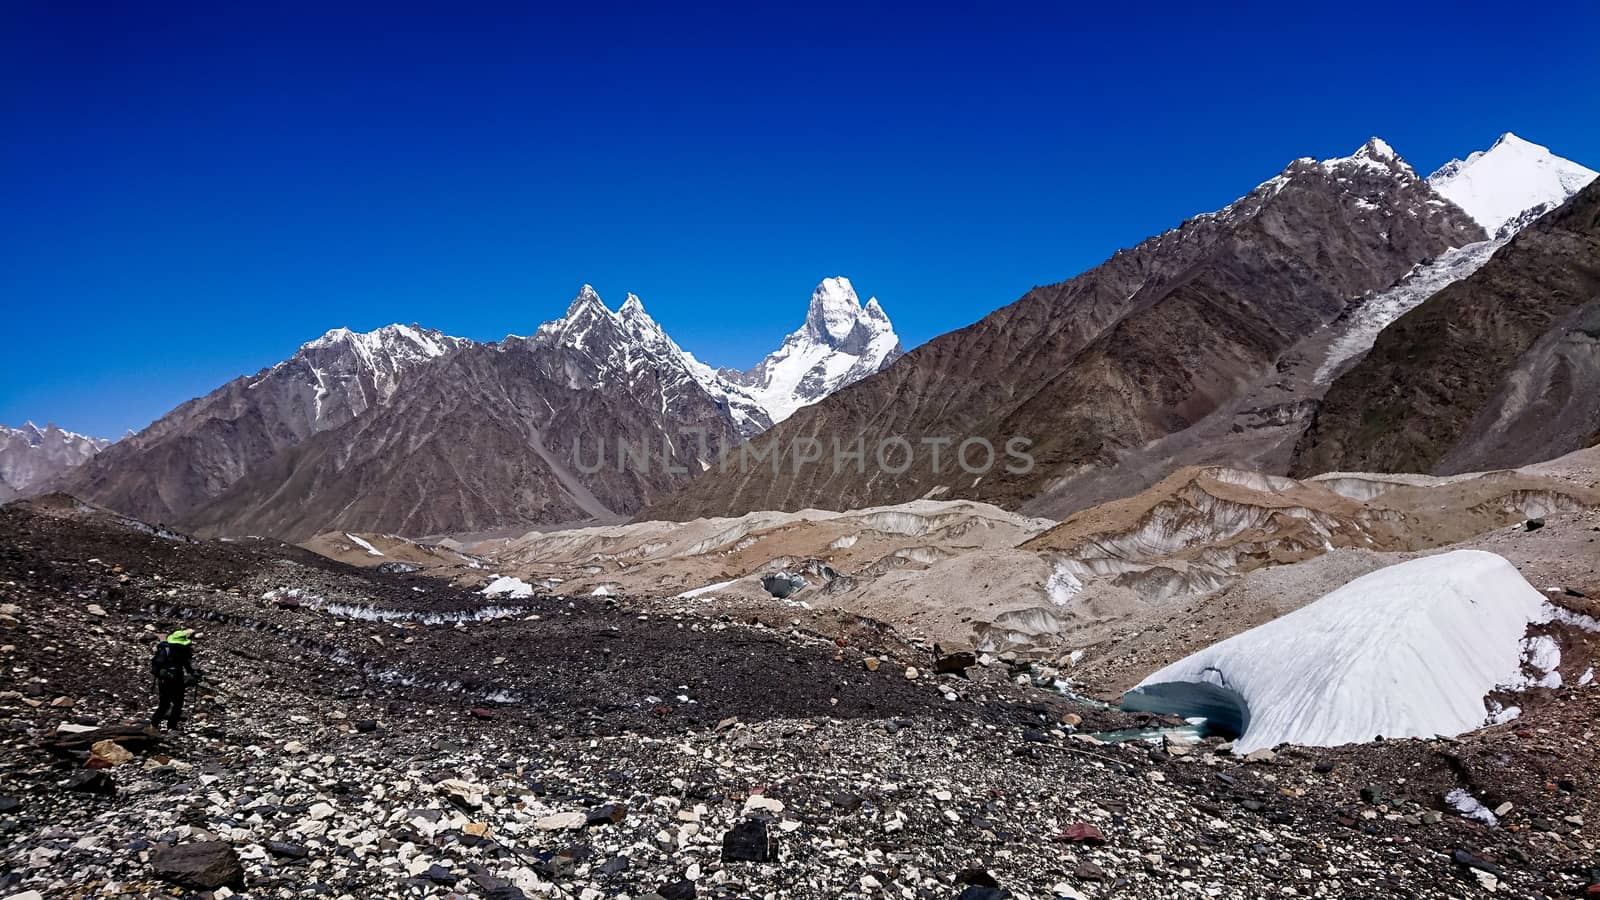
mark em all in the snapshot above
pixel 1410 650
pixel 508 586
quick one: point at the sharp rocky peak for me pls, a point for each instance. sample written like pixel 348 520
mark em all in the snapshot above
pixel 836 309
pixel 587 300
pixel 1375 154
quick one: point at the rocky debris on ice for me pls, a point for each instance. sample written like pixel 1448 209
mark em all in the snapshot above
pixel 680 755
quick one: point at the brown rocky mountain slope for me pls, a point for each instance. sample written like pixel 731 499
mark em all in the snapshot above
pixel 483 440
pixel 1501 368
pixel 1139 347
pixel 196 451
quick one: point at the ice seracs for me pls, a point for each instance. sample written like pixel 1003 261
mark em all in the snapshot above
pixel 840 343
pixel 1411 650
pixel 1502 184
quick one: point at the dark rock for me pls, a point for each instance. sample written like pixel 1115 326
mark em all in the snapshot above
pixel 978 892
pixel 286 850
pixel 954 664
pixel 440 875
pixel 1372 795
pixel 1035 736
pixel 749 842
pixel 1533 525
pixel 9 804
pixel 1323 767
pixel 202 866
pixel 135 738
pixel 1088 871
pixel 93 781
pixel 609 814
pixel 678 890
pixel 1473 861
pixel 366 726
pixel 978 877
pixel 614 866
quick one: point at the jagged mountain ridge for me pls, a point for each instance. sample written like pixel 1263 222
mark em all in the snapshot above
pixel 31 457
pixel 1140 347
pixel 223 462
pixel 1260 427
pixel 195 452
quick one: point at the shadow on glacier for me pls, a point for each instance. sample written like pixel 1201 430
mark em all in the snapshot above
pixel 1223 708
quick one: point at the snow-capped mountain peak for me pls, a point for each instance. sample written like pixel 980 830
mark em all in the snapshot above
pixel 31 456
pixel 637 322
pixel 391 342
pixel 1375 154
pixel 629 348
pixel 586 300
pixel 343 373
pixel 1515 180
pixel 840 343
pixel 833 311
pixel 1376 148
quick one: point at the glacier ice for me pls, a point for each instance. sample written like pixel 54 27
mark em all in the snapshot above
pixel 1411 650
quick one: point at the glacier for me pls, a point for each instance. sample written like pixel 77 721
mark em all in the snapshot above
pixel 1411 650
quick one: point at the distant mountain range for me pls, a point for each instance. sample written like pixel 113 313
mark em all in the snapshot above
pixel 1212 343
pixel 406 429
pixel 31 457
pixel 1344 313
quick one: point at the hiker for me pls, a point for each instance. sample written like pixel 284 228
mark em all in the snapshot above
pixel 173 668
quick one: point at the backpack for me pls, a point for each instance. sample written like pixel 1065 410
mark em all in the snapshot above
pixel 164 662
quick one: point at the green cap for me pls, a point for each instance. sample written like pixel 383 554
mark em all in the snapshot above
pixel 181 636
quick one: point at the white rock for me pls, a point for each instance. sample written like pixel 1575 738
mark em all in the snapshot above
pixel 566 821
pixel 763 802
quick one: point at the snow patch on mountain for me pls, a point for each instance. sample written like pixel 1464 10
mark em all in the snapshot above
pixel 841 342
pixel 1380 310
pixel 1411 650
pixel 1502 184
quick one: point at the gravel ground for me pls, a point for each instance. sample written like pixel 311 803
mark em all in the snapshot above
pixel 361 734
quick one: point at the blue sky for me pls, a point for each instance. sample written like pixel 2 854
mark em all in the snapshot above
pixel 187 194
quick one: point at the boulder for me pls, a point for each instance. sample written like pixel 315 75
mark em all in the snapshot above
pixel 93 781
pixel 108 754
pixel 563 821
pixel 749 842
pixel 202 866
pixel 136 738
pixel 1083 833
pixel 954 663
